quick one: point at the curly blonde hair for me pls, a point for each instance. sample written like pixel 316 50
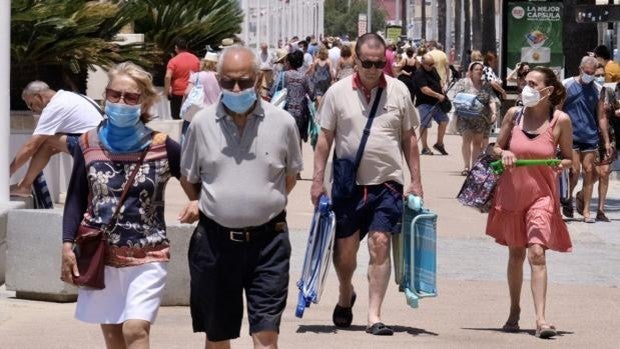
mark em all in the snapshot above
pixel 143 79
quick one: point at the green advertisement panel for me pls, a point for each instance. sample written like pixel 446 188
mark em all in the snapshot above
pixel 534 35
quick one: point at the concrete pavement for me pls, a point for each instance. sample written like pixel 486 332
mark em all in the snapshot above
pixel 583 294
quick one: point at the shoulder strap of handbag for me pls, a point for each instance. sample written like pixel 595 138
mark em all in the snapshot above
pixel 91 102
pixel 129 183
pixel 515 121
pixel 371 116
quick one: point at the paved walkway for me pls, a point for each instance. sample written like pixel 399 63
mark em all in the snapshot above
pixel 583 295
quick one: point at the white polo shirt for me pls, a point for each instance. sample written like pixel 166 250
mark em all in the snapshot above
pixel 344 110
pixel 68 112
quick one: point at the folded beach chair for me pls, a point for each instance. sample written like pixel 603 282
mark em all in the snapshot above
pixel 415 252
pixel 318 255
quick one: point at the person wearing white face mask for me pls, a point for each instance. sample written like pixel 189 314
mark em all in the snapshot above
pixel 120 171
pixel 585 109
pixel 525 213
pixel 240 160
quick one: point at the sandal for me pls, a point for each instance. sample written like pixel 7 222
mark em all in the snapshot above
pixel 545 331
pixel 343 316
pixel 589 220
pixel 511 327
pixel 379 329
pixel 600 216
pixel 567 208
pixel 465 172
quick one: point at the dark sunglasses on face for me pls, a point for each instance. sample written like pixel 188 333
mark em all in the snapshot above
pixel 370 64
pixel 114 96
pixel 229 84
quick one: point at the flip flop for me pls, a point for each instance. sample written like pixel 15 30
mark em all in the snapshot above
pixel 600 216
pixel 379 329
pixel 545 332
pixel 589 220
pixel 343 316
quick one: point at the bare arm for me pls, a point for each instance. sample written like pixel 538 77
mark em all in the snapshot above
pixel 167 81
pixel 321 154
pixel 412 157
pixel 503 138
pixel 26 152
pixel 429 92
pixel 190 212
pixel 565 140
pixel 290 183
pixel 603 124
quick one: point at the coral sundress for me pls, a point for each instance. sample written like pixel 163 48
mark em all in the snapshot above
pixel 526 208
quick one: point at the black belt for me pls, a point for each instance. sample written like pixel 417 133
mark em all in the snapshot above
pixel 246 234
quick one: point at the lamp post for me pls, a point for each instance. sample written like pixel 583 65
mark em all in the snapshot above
pixel 5 99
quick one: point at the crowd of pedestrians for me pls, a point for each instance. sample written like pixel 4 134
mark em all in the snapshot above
pixel 241 157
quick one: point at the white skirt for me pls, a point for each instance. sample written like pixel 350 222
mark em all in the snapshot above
pixel 130 293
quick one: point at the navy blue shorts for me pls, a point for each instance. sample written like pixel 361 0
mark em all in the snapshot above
pixel 372 208
pixel 72 142
pixel 585 147
pixel 221 269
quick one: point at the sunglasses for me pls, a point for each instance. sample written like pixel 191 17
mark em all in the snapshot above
pixel 370 64
pixel 114 96
pixel 229 84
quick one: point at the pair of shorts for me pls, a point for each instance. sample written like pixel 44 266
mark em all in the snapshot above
pixel 429 112
pixel 585 147
pixel 222 269
pixel 130 293
pixel 373 208
pixel 72 141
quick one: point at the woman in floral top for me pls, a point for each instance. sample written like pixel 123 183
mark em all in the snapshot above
pixel 475 130
pixel 138 249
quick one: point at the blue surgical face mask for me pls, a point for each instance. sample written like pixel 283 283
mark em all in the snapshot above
pixel 239 102
pixel 600 80
pixel 587 78
pixel 122 115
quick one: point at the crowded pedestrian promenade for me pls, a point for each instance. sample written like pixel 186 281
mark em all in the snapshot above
pixel 248 180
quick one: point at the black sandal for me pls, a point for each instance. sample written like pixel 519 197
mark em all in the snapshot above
pixel 379 329
pixel 343 316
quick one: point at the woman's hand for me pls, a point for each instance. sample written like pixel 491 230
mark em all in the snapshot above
pixel 508 159
pixel 68 269
pixel 563 165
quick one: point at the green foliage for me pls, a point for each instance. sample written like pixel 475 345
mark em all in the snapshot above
pixel 200 22
pixel 341 19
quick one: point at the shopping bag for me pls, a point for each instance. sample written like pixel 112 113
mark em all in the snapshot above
pixel 194 101
pixel 479 186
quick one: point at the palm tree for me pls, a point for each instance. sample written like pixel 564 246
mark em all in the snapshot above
pixel 489 41
pixel 59 40
pixel 476 23
pixel 441 23
pixel 423 18
pixel 200 22
pixel 457 26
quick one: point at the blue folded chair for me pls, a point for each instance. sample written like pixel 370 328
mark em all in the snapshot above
pixel 415 252
pixel 318 255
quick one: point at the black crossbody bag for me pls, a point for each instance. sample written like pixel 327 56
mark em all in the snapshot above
pixel 345 170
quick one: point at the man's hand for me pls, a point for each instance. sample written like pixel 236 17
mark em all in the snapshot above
pixel 68 268
pixel 414 189
pixel 316 190
pixel 190 213
pixel 441 98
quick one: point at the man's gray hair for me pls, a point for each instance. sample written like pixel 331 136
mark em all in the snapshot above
pixel 34 87
pixel 236 49
pixel 588 60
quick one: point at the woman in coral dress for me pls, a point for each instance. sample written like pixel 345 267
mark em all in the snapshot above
pixel 526 214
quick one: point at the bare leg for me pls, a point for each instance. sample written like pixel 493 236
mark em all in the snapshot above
pixel 345 262
pixel 588 181
pixel 441 131
pixel 515 282
pixel 536 257
pixel 603 177
pixel 424 137
pixel 216 345
pixel 575 172
pixel 53 145
pixel 265 340
pixel 378 273
pixel 477 146
pixel 136 334
pixel 466 149
pixel 113 336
